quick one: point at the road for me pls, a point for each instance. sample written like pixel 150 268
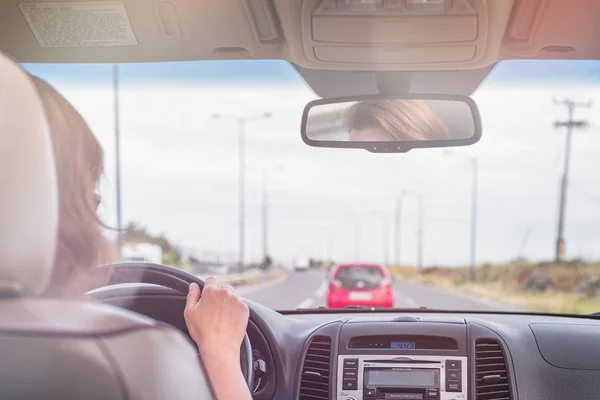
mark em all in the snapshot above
pixel 308 289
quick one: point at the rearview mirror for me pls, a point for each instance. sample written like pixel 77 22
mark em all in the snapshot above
pixel 391 124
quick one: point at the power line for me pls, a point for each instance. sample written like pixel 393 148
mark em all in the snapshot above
pixel 570 123
pixel 585 193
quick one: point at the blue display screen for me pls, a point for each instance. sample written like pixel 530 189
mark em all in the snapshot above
pixel 403 345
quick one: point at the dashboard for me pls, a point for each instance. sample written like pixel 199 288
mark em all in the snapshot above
pixel 419 355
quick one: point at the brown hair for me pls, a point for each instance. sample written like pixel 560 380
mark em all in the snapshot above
pixel 81 246
pixel 404 120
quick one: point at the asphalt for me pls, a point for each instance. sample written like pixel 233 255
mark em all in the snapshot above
pixel 308 289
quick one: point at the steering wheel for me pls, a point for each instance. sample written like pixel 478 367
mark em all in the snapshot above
pixel 179 280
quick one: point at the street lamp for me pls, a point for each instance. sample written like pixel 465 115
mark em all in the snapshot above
pixel 475 168
pixel 398 227
pixel 385 220
pixel 265 208
pixel 420 232
pixel 241 165
pixel 421 204
pixel 118 159
pixel 356 241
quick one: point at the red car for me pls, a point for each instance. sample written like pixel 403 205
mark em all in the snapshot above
pixel 359 284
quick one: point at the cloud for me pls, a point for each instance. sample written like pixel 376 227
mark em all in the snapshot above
pixel 180 166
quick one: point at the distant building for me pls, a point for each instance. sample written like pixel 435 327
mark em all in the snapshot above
pixel 147 252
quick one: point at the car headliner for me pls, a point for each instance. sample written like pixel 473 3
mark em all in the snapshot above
pixel 276 29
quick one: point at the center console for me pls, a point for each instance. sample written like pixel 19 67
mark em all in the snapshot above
pixel 409 359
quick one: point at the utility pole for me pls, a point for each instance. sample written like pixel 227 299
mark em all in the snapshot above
pixel 265 216
pixel 420 234
pixel 397 236
pixel 356 242
pixel 241 178
pixel 570 123
pixel 474 194
pixel 385 235
pixel 241 189
pixel 386 241
pixel 474 191
pixel 117 122
pixel 265 208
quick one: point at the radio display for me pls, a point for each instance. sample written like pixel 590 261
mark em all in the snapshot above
pixel 403 345
pixel 392 378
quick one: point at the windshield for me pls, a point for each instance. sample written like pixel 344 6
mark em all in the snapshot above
pixel 215 178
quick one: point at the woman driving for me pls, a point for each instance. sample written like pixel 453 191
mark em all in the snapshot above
pixel 394 120
pixel 216 318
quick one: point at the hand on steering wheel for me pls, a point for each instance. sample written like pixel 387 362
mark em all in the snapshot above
pixel 216 319
pixel 176 279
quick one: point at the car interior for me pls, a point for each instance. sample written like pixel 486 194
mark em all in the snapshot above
pixel 63 349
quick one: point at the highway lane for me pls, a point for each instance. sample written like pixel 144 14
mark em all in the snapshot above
pixel 308 289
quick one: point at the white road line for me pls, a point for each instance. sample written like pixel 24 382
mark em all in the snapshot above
pixel 306 303
pixel 244 290
pixel 321 290
pixel 464 296
pixel 405 300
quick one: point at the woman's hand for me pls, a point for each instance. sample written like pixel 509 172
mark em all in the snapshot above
pixel 216 319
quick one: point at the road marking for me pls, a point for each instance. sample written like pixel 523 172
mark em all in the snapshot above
pixel 405 300
pixel 321 290
pixel 306 303
pixel 244 290
pixel 464 296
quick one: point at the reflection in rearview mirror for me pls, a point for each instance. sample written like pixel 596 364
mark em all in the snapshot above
pixel 391 124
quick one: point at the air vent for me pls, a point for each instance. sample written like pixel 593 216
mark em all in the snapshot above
pixel 314 384
pixel 491 374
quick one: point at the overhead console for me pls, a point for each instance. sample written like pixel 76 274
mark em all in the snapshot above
pixel 402 34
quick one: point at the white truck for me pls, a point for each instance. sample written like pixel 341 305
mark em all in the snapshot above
pixel 301 264
pixel 146 252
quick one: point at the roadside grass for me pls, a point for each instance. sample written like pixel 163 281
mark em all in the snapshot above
pixel 504 284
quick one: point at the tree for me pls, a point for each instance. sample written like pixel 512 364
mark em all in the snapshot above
pixel 135 233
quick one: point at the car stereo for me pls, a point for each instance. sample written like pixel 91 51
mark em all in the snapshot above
pixel 407 377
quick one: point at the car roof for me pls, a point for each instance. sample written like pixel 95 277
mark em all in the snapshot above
pixel 360 264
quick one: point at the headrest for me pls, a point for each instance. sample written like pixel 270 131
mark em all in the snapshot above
pixel 28 190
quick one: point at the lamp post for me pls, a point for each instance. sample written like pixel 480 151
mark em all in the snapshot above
pixel 265 208
pixel 385 248
pixel 241 121
pixel 474 194
pixel 420 232
pixel 117 122
pixel 398 227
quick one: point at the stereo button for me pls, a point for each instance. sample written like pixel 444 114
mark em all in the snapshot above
pixel 350 373
pixel 433 393
pixel 369 393
pixel 453 375
pixel 453 365
pixel 453 386
pixel 351 363
pixel 350 384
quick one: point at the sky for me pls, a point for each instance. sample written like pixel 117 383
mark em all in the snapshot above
pixel 180 165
